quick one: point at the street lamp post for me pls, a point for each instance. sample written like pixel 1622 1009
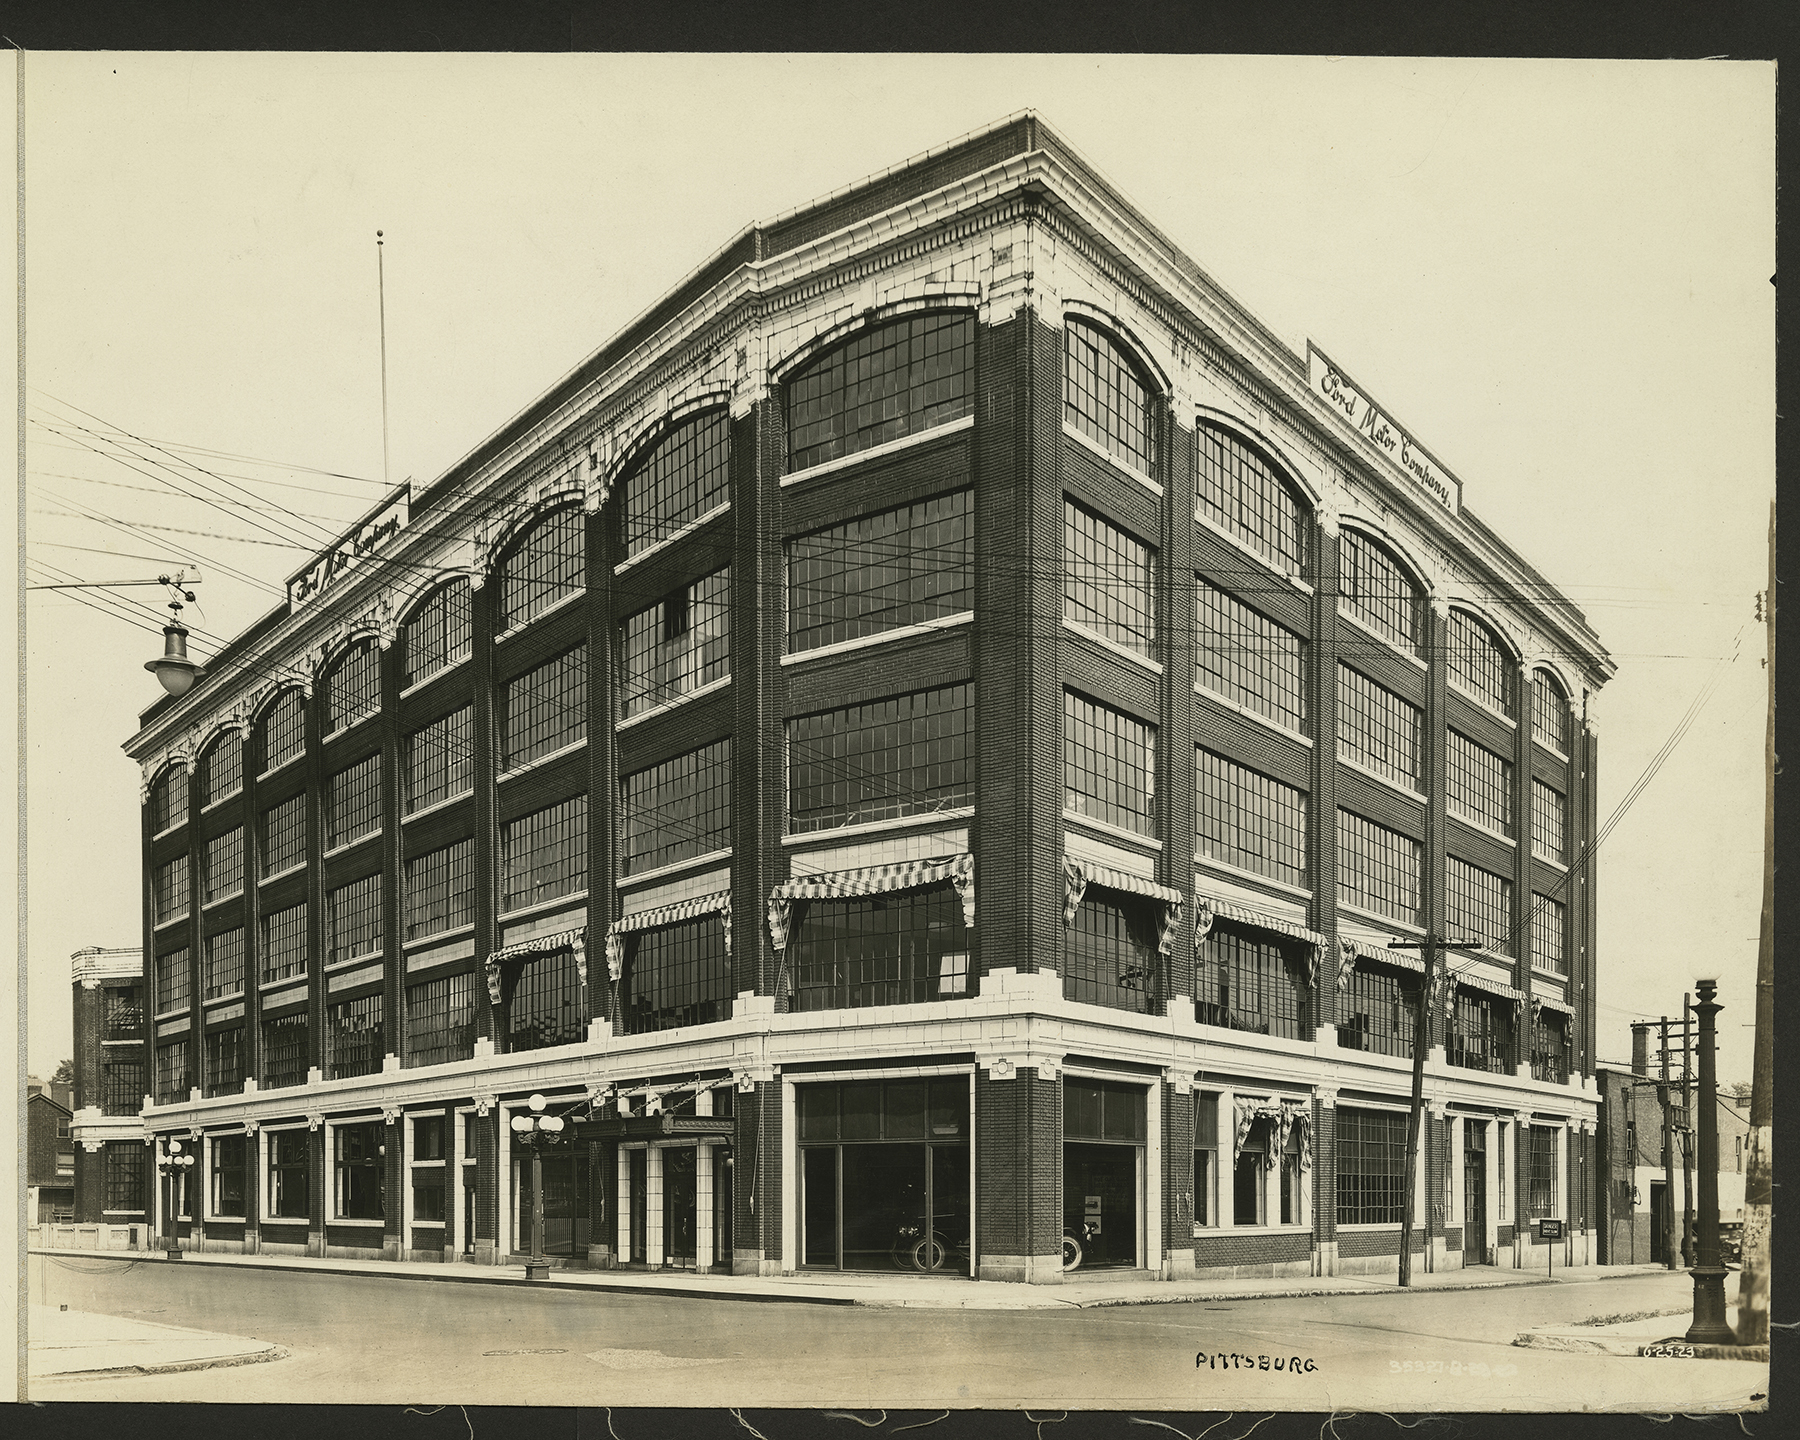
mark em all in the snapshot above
pixel 175 1164
pixel 537 1131
pixel 1709 1327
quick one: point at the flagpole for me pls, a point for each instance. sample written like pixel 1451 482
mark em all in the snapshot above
pixel 381 294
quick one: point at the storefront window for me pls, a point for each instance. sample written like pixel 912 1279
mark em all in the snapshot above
pixel 288 1157
pixel 567 1202
pixel 228 1175
pixel 1206 1157
pixel 428 1168
pixel 361 1187
pixel 1103 1138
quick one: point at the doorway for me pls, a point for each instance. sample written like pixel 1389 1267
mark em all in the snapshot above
pixel 680 1194
pixel 1475 1192
pixel 640 1213
pixel 1659 1222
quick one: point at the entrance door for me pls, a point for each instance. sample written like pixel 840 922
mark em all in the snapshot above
pixel 640 1191
pixel 722 1246
pixel 1474 1192
pixel 1100 1202
pixel 468 1211
pixel 566 1204
pixel 1659 1223
pixel 680 1186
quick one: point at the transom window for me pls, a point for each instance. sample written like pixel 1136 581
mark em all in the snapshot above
pixel 908 755
pixel 353 803
pixel 1478 664
pixel 1371 1166
pixel 1378 869
pixel 1549 713
pixel 284 943
pixel 440 1020
pixel 174 984
pixel 1109 952
pixel 544 710
pixel 685 474
pixel 1549 821
pixel 1478 903
pixel 676 975
pixel 1374 589
pixel 440 760
pixel 354 1035
pixel 353 689
pixel 885 383
pixel 440 890
pixel 222 772
pixel 1109 765
pixel 900 948
pixel 1248 820
pixel 1481 1032
pixel 1106 398
pixel 1248 982
pixel 1249 659
pixel 676 810
pixel 1376 728
pixel 1109 580
pixel 1241 492
pixel 1378 1011
pixel 284 836
pixel 285 1054
pixel 284 730
pixel 172 890
pixel 677 645
pixel 439 634
pixel 1478 783
pixel 225 964
pixel 545 567
pixel 544 854
pixel 1548 947
pixel 225 864
pixel 353 920
pixel 543 1003
pixel 169 800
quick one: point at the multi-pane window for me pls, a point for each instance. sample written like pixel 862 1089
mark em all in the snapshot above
pixel 908 755
pixel 901 948
pixel 1550 1047
pixel 881 385
pixel 353 920
pixel 225 1061
pixel 1378 869
pixel 172 890
pixel 1247 658
pixel 428 1174
pixel 1109 765
pixel 440 1020
pixel 1549 821
pixel 228 1175
pixel 1478 904
pixel 1378 1011
pixel 440 890
pixel 1478 664
pixel 1106 399
pixel 174 1073
pixel 174 985
pixel 544 568
pixel 1481 1032
pixel 284 836
pixel 353 803
pixel 285 1056
pixel 685 474
pixel 1240 491
pixel 1548 948
pixel 1110 952
pixel 283 946
pixel 544 854
pixel 881 572
pixel 222 772
pixel 676 975
pixel 1371 1166
pixel 126 1167
pixel 1249 983
pixel 124 1014
pixel 169 800
pixel 1109 580
pixel 121 1087
pixel 290 1161
pixel 225 864
pixel 676 810
pixel 1376 728
pixel 1248 820
pixel 1206 1157
pixel 361 1173
pixel 1540 1171
pixel 544 709
pixel 284 731
pixel 353 689
pixel 353 1034
pixel 1549 713
pixel 545 1005
pixel 439 761
pixel 1373 588
pixel 224 964
pixel 439 634
pixel 1478 783
pixel 677 645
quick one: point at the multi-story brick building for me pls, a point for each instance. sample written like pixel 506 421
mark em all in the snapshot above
pixel 112 1086
pixel 49 1153
pixel 918 747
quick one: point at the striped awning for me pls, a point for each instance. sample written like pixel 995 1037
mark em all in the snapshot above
pixel 1244 915
pixel 1381 955
pixel 1493 987
pixel 718 903
pixel 959 870
pixel 1079 874
pixel 575 940
pixel 1550 1002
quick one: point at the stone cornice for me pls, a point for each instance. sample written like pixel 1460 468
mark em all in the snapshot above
pixel 90 966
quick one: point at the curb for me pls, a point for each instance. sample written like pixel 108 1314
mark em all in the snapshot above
pixel 1618 1345
pixel 222 1362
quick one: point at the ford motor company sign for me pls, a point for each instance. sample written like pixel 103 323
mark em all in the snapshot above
pixel 367 537
pixel 1351 405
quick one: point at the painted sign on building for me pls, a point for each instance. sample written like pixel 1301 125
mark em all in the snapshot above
pixel 1351 404
pixel 357 544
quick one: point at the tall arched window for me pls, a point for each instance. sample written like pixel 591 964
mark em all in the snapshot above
pixel 1241 491
pixel 222 771
pixel 1374 588
pixel 1478 664
pixel 682 476
pixel 1106 397
pixel 169 799
pixel 1549 712
pixel 284 730
pixel 353 687
pixel 437 634
pixel 544 567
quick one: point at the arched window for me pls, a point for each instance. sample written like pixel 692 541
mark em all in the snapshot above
pixel 1241 491
pixel 544 567
pixel 222 771
pixel 1549 712
pixel 1106 397
pixel 284 730
pixel 1478 664
pixel 353 688
pixel 437 635
pixel 684 474
pixel 882 384
pixel 1376 590
pixel 169 799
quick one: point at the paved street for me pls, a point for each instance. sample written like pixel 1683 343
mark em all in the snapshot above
pixel 375 1340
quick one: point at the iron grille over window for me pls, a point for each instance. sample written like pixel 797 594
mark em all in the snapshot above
pixel 125 1170
pixel 122 1087
pixel 900 948
pixel 684 475
pixel 284 943
pixel 440 890
pixel 169 800
pixel 284 731
pixel 1378 869
pixel 225 1061
pixel 1549 713
pixel 1540 1173
pixel 225 864
pixel 440 760
pixel 676 810
pixel 1241 492
pixel 439 634
pixel 284 1052
pixel 881 572
pixel 1376 728
pixel 676 975
pixel 544 854
pixel 354 1035
pixel 1109 765
pixel 353 803
pixel 1478 664
pixel 1479 783
pixel 1105 397
pixel 174 1075
pixel 1252 984
pixel 440 1020
pixel 1550 1048
pixel 1376 591
pixel 1109 952
pixel 172 890
pixel 908 755
pixel 1109 581
pixel 1549 821
pixel 1547 945
pixel 174 985
pixel 353 689
pixel 544 1008
pixel 1249 820
pixel 224 964
pixel 222 772
pixel 547 566
pixel 284 836
pixel 881 385
pixel 1371 1166
pixel 1478 903
pixel 1481 1033
pixel 1247 658
pixel 1378 1012
pixel 677 645
pixel 353 920
pixel 544 710
pixel 124 1019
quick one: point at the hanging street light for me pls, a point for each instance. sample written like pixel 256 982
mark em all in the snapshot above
pixel 537 1131
pixel 174 670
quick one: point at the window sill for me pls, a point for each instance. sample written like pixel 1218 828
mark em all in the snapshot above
pixel 669 705
pixel 349 845
pixel 1387 643
pixel 271 878
pixel 1550 749
pixel 1112 832
pixel 420 684
pixel 366 1224
pixel 226 1220
pixel 540 761
pixel 538 907
pixel 1267 562
pixel 693 526
pixel 438 937
pixel 212 805
pixel 297 978
pixel 1380 779
pixel 360 720
pixel 1561 977
pixel 579 593
pixel 878 827
pixel 428 1224
pixel 333 966
pixel 1202 1231
pixel 1480 702
pixel 1265 721
pixel 1381 921
pixel 165 833
pixel 1365 1227
pixel 172 920
pixel 1070 432
pixel 674 867
pixel 220 900
pixel 1237 872
pixel 878 452
pixel 225 999
pixel 1482 826
pixel 277 769
pixel 1124 652
pixel 1557 865
pixel 902 632
pixel 437 805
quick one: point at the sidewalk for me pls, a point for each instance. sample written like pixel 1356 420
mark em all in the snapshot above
pixel 71 1345
pixel 875 1289
pixel 1658 1335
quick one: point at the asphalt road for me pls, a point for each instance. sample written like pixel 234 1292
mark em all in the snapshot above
pixel 388 1341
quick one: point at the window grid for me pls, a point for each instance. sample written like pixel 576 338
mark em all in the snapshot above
pixel 174 983
pixel 1481 1033
pixel 353 920
pixel 677 645
pixel 1376 728
pixel 353 689
pixel 172 890
pixel 440 633
pixel 1378 1012
pixel 548 565
pixel 225 964
pixel 225 865
pixel 222 772
pixel 908 755
pixel 1540 1175
pixel 1371 1166
pixel 1249 659
pixel 544 709
pixel 1252 985
pixel 1549 821
pixel 1378 869
pixel 353 803
pixel 881 572
pixel 169 800
pixel 676 810
pixel 225 1061
pixel 545 1008
pixel 883 384
pixel 1478 903
pixel 1240 491
pixel 1109 581
pixel 283 836
pixel 901 948
pixel 174 1075
pixel 1547 945
pixel 353 1029
pixel 1109 765
pixel 1478 663
pixel 1249 820
pixel 440 1020
pixel 284 732
pixel 1105 399
pixel 544 854
pixel 284 943
pixel 1550 1048
pixel 1478 783
pixel 1376 590
pixel 122 1087
pixel 686 473
pixel 440 760
pixel 440 890
pixel 1549 713
pixel 677 975
pixel 124 1019
pixel 126 1167
pixel 1109 953
pixel 285 1049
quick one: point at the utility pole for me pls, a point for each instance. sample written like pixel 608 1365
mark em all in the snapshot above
pixel 1687 1134
pixel 1670 1258
pixel 1709 1327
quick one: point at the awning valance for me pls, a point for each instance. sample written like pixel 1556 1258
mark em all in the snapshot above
pixel 1079 874
pixel 959 870
pixel 1209 908
pixel 1283 1115
pixel 1352 950
pixel 575 940
pixel 1550 1002
pixel 1494 987
pixel 718 903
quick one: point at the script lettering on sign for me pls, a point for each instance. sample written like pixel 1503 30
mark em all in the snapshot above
pixel 364 539
pixel 1351 405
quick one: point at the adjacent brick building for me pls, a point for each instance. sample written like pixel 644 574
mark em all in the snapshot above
pixel 112 1069
pixel 917 748
pixel 49 1155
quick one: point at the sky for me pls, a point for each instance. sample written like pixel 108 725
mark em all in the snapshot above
pixel 1557 275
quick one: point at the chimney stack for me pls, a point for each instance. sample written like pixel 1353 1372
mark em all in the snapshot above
pixel 1640 1050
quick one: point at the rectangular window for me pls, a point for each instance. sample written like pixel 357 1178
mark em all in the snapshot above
pixel 124 1016
pixel 439 760
pixel 284 836
pixel 285 1058
pixel 122 1087
pixel 678 645
pixel 225 964
pixel 290 1155
pixel 1549 715
pixel 428 1169
pixel 544 854
pixel 1549 821
pixel 222 773
pixel 1550 1048
pixel 1109 581
pixel 686 474
pixel 1377 729
pixel 1206 1158
pixel 1479 783
pixel 1548 947
pixel 1540 1172
pixel 1248 1188
pixel 1248 658
pixel 353 920
pixel 543 1002
pixel 172 890
pixel 899 948
pixel 125 1169
pixel 909 755
pixel 361 1174
pixel 1481 1033
pixel 174 1072
pixel 548 566
pixel 1110 954
pixel 1371 1166
pixel 225 865
pixel 1478 905
pixel 1249 820
pixel 676 810
pixel 174 983
pixel 881 572
pixel 1378 869
pixel 440 890
pixel 676 975
pixel 353 803
pixel 1253 985
pixel 284 943
pixel 544 710
pixel 354 1037
pixel 1109 765
pixel 284 732
pixel 225 1061
pixel 439 634
pixel 440 1020
pixel 228 1187
pixel 1379 1011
